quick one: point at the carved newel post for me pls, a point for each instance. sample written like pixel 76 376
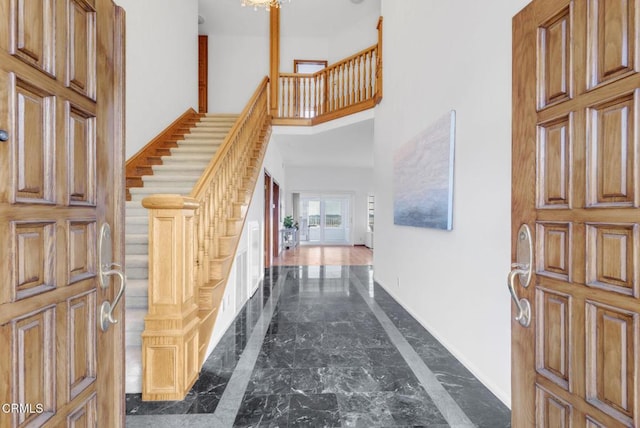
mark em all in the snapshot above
pixel 170 338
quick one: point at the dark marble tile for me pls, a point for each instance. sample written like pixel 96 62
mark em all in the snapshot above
pixel 413 410
pixel 311 315
pixel 386 357
pixel 339 327
pixel 275 357
pixel 364 410
pixel 397 379
pixel 205 403
pixel 308 380
pixel 350 357
pixel 211 382
pixel 285 316
pixel 269 382
pixel 340 341
pixel 263 411
pixel 374 340
pixel 309 335
pixel 281 328
pixel 314 410
pixel 310 358
pixel 135 405
pixel 342 380
pixel 274 341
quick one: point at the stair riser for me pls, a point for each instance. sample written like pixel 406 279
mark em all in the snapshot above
pixel 137 302
pixel 187 163
pixel 138 273
pixel 178 169
pixel 234 227
pixel 133 338
pixel 136 249
pixel 227 245
pixel 194 151
pixel 218 267
pixel 187 184
pixel 137 229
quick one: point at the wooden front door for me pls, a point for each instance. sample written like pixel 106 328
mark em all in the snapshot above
pixel 61 163
pixel 576 184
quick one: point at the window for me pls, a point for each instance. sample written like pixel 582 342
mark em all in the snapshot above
pixel 308 66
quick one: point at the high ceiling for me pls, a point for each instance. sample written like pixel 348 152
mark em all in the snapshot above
pixel 350 145
pixel 299 18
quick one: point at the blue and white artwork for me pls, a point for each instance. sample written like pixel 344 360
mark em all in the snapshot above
pixel 423 177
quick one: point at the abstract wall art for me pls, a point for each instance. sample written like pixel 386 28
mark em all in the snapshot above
pixel 423 177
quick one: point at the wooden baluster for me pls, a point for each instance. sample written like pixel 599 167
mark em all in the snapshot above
pixel 281 109
pixel 352 78
pixel 323 93
pixel 357 85
pixel 371 74
pixel 307 111
pixel 289 98
pixel 339 87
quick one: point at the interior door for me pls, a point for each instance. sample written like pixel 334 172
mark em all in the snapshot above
pixel 203 74
pixel 268 220
pixel 61 163
pixel 275 219
pixel 575 357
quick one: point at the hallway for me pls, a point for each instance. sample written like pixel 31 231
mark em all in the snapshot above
pixel 324 346
pixel 325 255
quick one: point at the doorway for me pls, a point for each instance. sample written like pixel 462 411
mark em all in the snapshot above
pixel 325 219
pixel 271 219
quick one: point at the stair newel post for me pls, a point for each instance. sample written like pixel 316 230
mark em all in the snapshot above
pixel 170 338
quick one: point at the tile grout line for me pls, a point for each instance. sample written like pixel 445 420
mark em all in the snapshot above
pixel 229 404
pixel 441 398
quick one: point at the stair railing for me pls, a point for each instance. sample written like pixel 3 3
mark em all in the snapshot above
pixel 192 242
pixel 346 87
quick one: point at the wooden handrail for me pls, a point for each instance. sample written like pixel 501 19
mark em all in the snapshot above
pixel 348 86
pixel 214 164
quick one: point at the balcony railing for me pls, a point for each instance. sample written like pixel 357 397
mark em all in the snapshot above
pixel 346 87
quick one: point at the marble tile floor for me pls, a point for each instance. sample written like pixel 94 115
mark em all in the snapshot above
pixel 325 346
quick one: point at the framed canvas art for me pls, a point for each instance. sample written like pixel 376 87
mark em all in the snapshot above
pixel 423 177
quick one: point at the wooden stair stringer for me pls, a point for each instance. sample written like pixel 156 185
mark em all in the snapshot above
pixel 210 295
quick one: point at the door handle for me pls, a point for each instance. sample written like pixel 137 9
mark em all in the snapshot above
pixel 522 270
pixel 106 310
pixel 107 269
pixel 523 305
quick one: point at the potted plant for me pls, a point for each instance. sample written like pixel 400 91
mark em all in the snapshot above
pixel 288 223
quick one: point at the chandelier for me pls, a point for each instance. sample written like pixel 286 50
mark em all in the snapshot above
pixel 267 4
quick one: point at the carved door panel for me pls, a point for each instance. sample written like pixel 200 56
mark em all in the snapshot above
pixel 60 166
pixel 576 184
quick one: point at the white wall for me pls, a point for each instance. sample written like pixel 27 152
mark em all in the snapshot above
pixel 309 48
pixel 453 282
pixel 273 164
pixel 162 66
pixel 237 64
pixel 357 181
pixel 360 35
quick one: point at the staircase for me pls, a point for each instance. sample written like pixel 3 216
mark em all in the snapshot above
pixel 177 174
